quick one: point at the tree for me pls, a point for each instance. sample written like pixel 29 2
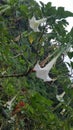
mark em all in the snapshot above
pixel 26 101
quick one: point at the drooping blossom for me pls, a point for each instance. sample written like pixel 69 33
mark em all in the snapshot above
pixel 43 73
pixel 34 24
pixel 60 97
pixel 9 103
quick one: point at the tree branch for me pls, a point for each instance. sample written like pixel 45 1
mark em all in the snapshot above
pixel 17 75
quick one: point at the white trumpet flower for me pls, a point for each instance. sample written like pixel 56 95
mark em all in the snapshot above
pixel 34 24
pixel 60 97
pixel 9 103
pixel 43 73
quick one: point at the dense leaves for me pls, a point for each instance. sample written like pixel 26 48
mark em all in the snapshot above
pixel 27 102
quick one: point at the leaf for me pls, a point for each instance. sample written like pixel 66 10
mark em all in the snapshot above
pixel 37 97
pixel 51 11
pixel 24 9
pixel 61 13
pixel 32 37
pixel 70 54
pixel 12 2
pixel 42 3
pixel 4 10
pixel 48 5
pixel 71 32
pixel 72 64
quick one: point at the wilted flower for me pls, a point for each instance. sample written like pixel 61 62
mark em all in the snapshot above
pixel 18 107
pixel 60 97
pixel 43 73
pixel 34 24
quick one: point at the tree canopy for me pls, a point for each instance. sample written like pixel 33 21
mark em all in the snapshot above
pixel 31 34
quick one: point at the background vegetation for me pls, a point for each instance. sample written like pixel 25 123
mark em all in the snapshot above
pixel 35 106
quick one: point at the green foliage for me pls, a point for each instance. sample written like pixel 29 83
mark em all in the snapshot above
pixel 35 106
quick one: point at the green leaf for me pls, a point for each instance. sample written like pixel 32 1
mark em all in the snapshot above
pixel 48 5
pixel 37 97
pixel 24 9
pixel 72 64
pixel 70 54
pixel 61 13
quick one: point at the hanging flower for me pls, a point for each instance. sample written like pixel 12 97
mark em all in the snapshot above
pixel 9 103
pixel 60 97
pixel 43 73
pixel 34 24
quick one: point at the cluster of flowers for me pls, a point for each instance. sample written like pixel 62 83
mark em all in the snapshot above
pixel 43 73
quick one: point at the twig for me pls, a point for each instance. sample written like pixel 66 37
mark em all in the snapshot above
pixel 17 55
pixel 16 75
